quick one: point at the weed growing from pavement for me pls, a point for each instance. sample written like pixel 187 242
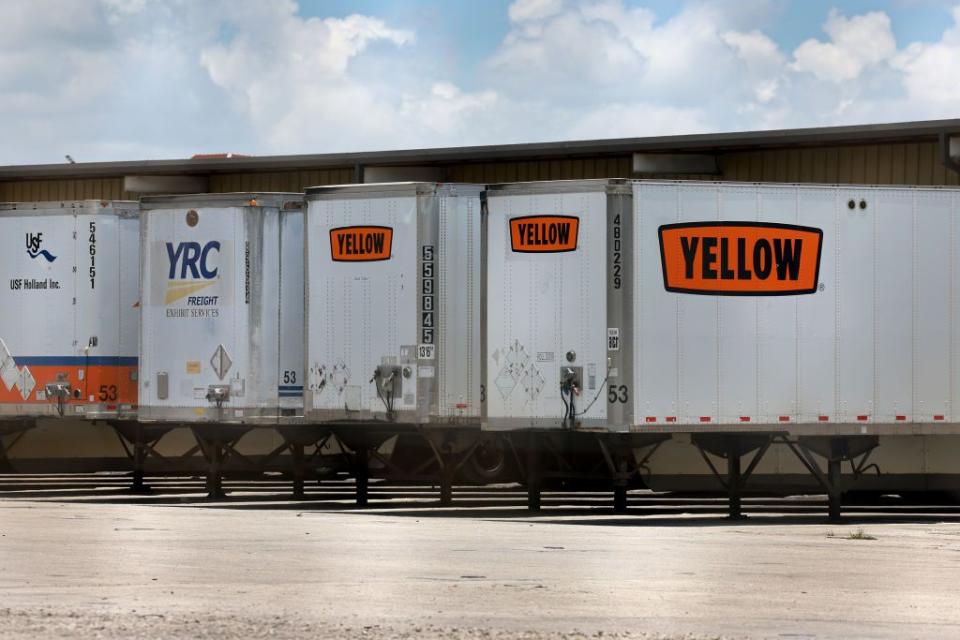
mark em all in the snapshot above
pixel 859 534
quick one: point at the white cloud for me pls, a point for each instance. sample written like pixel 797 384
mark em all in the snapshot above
pixel 120 79
pixel 523 10
pixel 932 71
pixel 292 54
pixel 636 119
pixel 757 50
pixel 762 61
pixel 319 82
pixel 447 108
pixel 855 43
pixel 594 44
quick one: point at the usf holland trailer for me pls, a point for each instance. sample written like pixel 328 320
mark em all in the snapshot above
pixel 68 310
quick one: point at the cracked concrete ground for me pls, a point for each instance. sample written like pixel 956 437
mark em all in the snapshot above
pixel 115 567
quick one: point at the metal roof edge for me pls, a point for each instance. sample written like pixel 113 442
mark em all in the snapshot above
pixel 812 136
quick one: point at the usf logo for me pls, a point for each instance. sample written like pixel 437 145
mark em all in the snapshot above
pixel 34 241
pixel 192 267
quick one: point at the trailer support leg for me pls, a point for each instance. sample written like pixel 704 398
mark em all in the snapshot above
pixel 734 481
pixel 834 485
pixel 834 450
pixel 620 483
pixel 5 466
pixel 138 485
pixel 533 474
pixel 446 487
pixel 215 471
pixel 139 457
pixel 617 453
pixel 361 472
pixel 620 499
pixel 299 470
pixel 733 448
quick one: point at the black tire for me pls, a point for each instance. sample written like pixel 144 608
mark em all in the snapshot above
pixel 490 463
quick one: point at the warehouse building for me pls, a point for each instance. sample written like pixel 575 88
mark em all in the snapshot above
pixel 913 153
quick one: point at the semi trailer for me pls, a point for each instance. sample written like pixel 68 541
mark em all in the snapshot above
pixel 393 335
pixel 678 335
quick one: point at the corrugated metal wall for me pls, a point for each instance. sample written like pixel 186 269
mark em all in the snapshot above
pixel 578 169
pixel 40 190
pixel 292 181
pixel 901 164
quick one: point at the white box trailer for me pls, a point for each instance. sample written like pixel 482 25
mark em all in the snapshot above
pixel 558 260
pixel 222 308
pixel 813 309
pixel 393 303
pixel 68 308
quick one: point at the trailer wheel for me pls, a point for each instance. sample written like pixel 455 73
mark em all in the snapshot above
pixel 489 463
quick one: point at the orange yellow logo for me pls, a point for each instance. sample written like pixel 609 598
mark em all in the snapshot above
pixel 544 234
pixel 361 244
pixel 740 258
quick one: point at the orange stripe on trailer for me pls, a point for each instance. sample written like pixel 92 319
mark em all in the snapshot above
pixel 89 385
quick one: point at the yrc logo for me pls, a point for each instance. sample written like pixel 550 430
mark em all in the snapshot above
pixel 192 267
pixel 34 240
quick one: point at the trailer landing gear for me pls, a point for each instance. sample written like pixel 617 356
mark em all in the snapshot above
pixel 733 448
pixel 214 451
pixel 139 441
pixel 16 428
pixel 446 454
pixel 361 472
pixel 534 474
pixel 623 464
pixel 833 449
pixel 216 447
pixel 299 469
pixel 449 461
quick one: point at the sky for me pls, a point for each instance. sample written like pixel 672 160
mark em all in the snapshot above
pixel 148 79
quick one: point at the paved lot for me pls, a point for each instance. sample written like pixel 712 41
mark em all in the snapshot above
pixel 81 558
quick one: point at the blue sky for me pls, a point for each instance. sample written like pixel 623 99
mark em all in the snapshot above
pixel 125 79
pixel 477 27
